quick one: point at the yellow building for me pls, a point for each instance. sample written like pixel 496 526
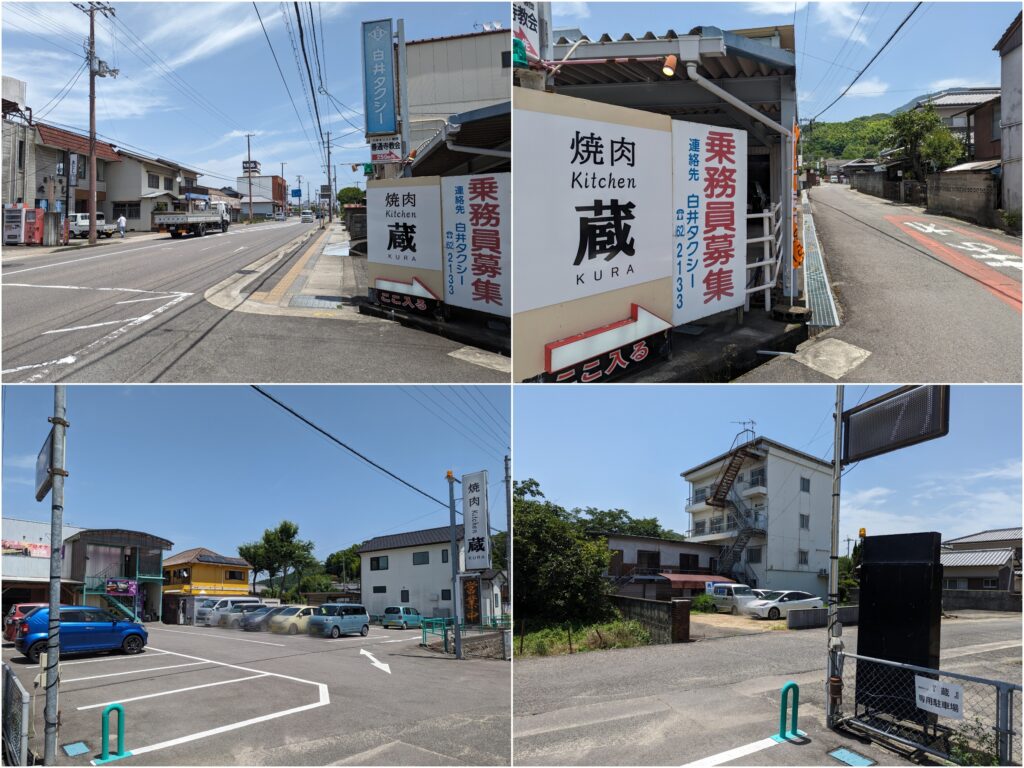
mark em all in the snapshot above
pixel 198 574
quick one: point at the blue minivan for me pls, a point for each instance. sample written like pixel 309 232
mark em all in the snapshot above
pixel 337 619
pixel 83 629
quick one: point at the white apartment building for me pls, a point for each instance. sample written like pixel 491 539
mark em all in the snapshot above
pixel 768 508
pixel 415 569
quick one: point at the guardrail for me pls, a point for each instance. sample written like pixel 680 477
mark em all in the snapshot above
pixel 15 719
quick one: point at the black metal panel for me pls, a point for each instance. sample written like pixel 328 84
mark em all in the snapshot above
pixel 903 417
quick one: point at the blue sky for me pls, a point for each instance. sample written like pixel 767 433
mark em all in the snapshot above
pixel 943 45
pixel 625 447
pixel 219 50
pixel 214 466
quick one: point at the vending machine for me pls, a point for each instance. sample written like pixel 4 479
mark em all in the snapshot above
pixel 14 223
pixel 35 219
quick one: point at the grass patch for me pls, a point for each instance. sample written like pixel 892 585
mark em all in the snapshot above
pixel 554 641
pixel 703 604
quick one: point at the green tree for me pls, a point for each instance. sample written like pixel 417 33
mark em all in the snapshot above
pixel 315 582
pixel 909 130
pixel 557 566
pixel 283 547
pixel 303 561
pixel 941 148
pixel 255 554
pixel 499 551
pixel 348 195
pixel 594 520
pixel 344 563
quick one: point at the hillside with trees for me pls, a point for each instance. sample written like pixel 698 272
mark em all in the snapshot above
pixel 860 137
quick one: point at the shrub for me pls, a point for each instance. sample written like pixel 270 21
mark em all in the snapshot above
pixel 703 604
pixel 1011 219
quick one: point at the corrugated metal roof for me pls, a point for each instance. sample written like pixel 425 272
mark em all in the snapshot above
pixel 978 165
pixel 410 539
pixel 962 98
pixel 993 534
pixel 976 557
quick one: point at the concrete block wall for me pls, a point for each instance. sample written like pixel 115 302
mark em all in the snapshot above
pixel 868 182
pixel 808 618
pixel 668 621
pixel 980 600
pixel 969 195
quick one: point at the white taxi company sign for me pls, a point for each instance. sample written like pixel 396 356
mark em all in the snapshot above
pixel 386 149
pixel 590 202
pixel 476 215
pixel 403 225
pixel 709 220
pixel 942 698
pixel 476 525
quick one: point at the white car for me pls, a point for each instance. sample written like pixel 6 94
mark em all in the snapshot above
pixel 833 179
pixel 776 605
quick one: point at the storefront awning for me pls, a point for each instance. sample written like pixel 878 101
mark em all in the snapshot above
pixel 693 580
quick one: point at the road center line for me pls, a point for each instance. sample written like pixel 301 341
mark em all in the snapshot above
pixel 86 327
pixel 176 690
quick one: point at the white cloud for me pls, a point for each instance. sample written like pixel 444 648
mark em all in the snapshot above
pixel 571 10
pixel 773 8
pixel 869 87
pixel 841 20
pixel 959 82
pixel 25 461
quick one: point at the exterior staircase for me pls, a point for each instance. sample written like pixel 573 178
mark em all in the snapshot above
pixel 726 478
pixel 748 525
pixel 121 608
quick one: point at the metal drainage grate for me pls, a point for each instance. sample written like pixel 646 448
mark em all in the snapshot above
pixel 316 302
pixel 819 293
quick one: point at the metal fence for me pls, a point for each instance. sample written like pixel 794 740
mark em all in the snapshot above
pixel 964 719
pixel 15 719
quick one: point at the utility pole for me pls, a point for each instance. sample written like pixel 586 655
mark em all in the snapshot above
pixel 299 177
pixel 285 203
pixel 457 634
pixel 57 473
pixel 835 639
pixel 330 203
pixel 248 173
pixel 97 68
pixel 508 513
pixel 848 540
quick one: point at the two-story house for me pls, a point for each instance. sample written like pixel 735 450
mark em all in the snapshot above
pixel 768 508
pixel 140 186
pixel 415 569
pixel 985 560
pixel 197 574
pixel 53 146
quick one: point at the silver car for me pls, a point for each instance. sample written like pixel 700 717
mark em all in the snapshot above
pixel 775 605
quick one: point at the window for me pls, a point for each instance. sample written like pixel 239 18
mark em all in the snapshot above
pixel 234 576
pixel 128 210
pixel 446 594
pixel 506 59
pixel 699 494
pixel 803 557
pixel 757 476
pixel 168 183
pixel 179 575
pixel 805 484
pixel 101 170
pixel 404 596
pixel 699 526
pixel 380 590
pixel 379 563
pixel 753 555
pixel 421 558
pixel 21 154
pixel 954 583
pixel 688 562
pixel 997 116
pixel 805 522
pixel 153 181
pixel 444 555
pixel 990 584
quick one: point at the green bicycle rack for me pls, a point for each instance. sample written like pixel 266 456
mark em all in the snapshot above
pixel 105 755
pixel 793 732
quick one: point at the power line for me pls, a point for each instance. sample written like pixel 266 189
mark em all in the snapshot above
pixel 877 54
pixel 479 397
pixel 309 73
pixel 438 410
pixel 298 69
pixel 40 37
pixel 470 408
pixel 62 93
pixel 839 53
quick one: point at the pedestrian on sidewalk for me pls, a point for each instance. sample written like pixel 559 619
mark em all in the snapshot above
pixel 122 222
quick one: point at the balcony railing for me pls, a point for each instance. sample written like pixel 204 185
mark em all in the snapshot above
pixel 757 520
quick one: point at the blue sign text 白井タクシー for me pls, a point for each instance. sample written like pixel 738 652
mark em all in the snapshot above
pixel 378 77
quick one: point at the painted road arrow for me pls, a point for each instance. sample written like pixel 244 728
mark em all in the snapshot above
pixel 373 660
pixel 583 346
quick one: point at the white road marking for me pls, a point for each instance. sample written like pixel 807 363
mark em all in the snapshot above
pixel 86 327
pixel 373 660
pixel 136 301
pixel 354 637
pixel 402 640
pixel 970 650
pixel 238 249
pixel 90 288
pixel 176 690
pixel 483 358
pixel 732 754
pixel 84 258
pixel 216 637
pixel 133 672
pixel 145 655
pixel 62 361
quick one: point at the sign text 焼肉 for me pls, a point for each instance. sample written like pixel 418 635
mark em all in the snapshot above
pixel 476 524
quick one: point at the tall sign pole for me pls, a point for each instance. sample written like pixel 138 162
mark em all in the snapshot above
pixel 57 474
pixel 330 203
pixel 835 640
pixel 403 96
pixel 508 516
pixel 248 173
pixel 287 201
pixel 454 557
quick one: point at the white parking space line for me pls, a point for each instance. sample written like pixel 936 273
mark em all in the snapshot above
pixel 356 637
pixel 176 690
pixel 134 671
pixel 401 640
pixel 146 655
pixel 217 637
pixel 732 754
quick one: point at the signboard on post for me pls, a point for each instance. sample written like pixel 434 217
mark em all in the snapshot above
pixel 296 193
pixel 72 170
pixel 386 149
pixel 325 190
pixel 709 220
pixel 471 613
pixel 379 78
pixel 602 191
pixel 44 465
pixel 251 166
pixel 403 225
pixel 477 526
pixel 476 214
pixel 942 698
pixel 526 27
pixel 904 417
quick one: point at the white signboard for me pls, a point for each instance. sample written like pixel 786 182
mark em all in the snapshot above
pixel 72 170
pixel 476 215
pixel 709 220
pixel 474 515
pixel 526 27
pixel 942 698
pixel 590 203
pixel 386 149
pixel 403 225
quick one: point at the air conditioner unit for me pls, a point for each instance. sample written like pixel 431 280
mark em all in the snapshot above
pixel 823 571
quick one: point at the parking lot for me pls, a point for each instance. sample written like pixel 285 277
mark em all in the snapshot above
pixel 210 696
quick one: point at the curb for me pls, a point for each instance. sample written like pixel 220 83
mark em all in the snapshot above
pixel 471 335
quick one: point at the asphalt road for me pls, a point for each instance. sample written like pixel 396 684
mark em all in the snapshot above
pixel 674 704
pixel 135 312
pixel 930 297
pixel 207 696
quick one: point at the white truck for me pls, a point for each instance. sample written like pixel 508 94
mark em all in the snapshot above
pixel 214 218
pixel 78 225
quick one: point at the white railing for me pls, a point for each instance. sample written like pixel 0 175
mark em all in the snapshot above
pixel 771 255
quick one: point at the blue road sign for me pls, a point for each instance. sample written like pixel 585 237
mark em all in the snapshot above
pixel 379 78
pixel 296 193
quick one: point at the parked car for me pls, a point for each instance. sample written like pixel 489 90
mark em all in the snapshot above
pixel 306 217
pixel 15 614
pixel 337 619
pixel 731 598
pixel 258 620
pixel 78 225
pixel 833 179
pixel 233 617
pixel 279 216
pixel 776 605
pixel 401 616
pixel 293 619
pixel 760 593
pixel 83 629
pixel 213 604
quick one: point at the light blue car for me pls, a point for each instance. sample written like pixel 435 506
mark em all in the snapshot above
pixel 337 619
pixel 401 616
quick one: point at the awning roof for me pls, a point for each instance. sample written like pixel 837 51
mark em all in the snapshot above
pixel 979 165
pixel 693 580
pixel 485 128
pixel 164 193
